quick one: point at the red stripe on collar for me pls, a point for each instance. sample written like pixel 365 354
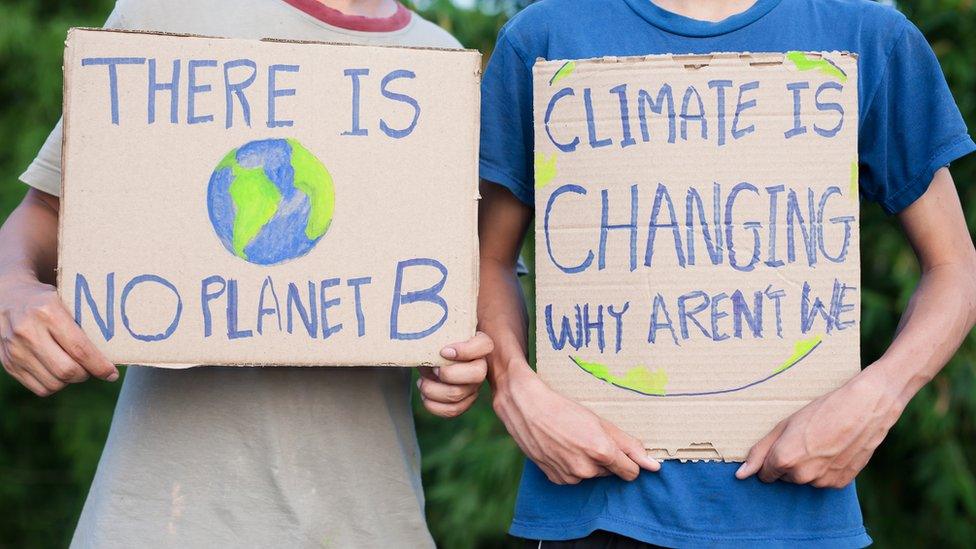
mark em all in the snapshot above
pixel 336 18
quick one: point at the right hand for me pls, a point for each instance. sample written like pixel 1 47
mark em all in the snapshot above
pixel 567 441
pixel 40 344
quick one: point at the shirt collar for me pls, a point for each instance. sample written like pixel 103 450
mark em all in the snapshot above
pixel 685 26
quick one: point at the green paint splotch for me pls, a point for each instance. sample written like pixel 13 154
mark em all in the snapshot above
pixel 564 71
pixel 313 179
pixel 255 200
pixel 806 62
pixel 854 176
pixel 638 378
pixel 545 169
pixel 800 349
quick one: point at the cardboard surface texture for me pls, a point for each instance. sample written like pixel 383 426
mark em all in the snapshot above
pixel 234 201
pixel 697 241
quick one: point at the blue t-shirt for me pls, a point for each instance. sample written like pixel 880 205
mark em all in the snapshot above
pixel 909 128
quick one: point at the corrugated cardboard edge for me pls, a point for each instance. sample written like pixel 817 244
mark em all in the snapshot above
pixel 475 178
pixel 65 63
pixel 693 452
pixel 279 40
pixel 703 451
pixel 694 61
pixel 293 364
pixel 472 177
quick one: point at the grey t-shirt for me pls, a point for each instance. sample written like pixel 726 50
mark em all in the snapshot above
pixel 254 457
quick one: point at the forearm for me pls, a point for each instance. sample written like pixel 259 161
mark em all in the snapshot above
pixel 502 315
pixel 29 239
pixel 502 224
pixel 567 441
pixel 940 314
pixel 942 310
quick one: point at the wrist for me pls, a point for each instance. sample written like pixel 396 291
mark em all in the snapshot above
pixel 515 388
pixel 891 392
pixel 505 375
pixel 16 276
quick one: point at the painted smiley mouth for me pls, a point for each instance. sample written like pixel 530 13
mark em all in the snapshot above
pixel 653 383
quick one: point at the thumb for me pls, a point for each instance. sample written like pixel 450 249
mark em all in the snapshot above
pixel 633 448
pixel 758 452
pixel 477 347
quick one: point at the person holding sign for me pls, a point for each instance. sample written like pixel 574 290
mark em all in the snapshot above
pixel 227 457
pixel 589 484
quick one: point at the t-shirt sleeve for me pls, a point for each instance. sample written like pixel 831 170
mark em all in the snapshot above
pixel 911 128
pixel 506 120
pixel 44 172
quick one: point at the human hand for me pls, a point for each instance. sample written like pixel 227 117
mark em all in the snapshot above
pixel 450 390
pixel 827 442
pixel 40 344
pixel 567 441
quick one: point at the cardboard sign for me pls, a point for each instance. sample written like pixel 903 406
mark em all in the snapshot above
pixel 265 202
pixel 697 241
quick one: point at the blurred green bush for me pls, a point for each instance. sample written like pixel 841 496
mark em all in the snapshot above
pixel 919 490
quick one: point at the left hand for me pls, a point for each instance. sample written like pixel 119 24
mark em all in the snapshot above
pixel 450 390
pixel 827 442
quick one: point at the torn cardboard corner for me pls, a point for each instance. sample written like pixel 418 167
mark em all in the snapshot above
pixel 697 241
pixel 232 201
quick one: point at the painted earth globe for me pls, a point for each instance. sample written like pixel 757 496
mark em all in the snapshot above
pixel 270 201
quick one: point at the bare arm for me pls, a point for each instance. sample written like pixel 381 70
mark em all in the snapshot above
pixel 40 345
pixel 503 221
pixel 830 440
pixel 29 238
pixel 567 441
pixel 942 311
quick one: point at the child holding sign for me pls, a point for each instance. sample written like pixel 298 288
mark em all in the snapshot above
pixel 588 484
pixel 230 457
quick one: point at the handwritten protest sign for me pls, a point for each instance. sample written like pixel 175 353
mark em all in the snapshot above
pixel 264 202
pixel 697 241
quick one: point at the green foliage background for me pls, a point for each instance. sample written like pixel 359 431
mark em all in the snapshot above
pixel 919 490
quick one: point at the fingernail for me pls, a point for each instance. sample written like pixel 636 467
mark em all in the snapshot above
pixel 437 372
pixel 419 381
pixel 113 376
pixel 449 352
pixel 740 470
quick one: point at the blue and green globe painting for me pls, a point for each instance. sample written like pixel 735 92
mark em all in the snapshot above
pixel 270 201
